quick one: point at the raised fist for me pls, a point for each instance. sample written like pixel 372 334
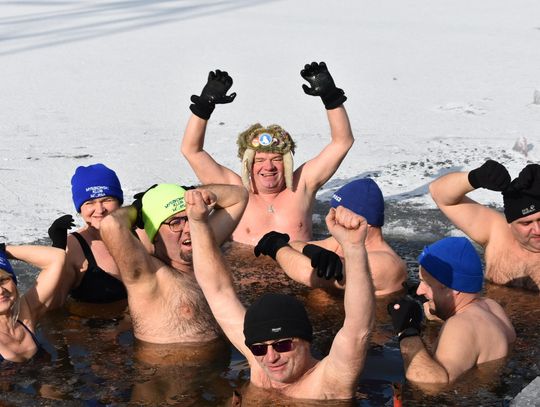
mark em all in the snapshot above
pixel 491 175
pixel 214 92
pixel 59 229
pixel 322 85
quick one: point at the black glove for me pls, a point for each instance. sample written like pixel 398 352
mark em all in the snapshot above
pixel 58 231
pixel 2 247
pixel 271 243
pixel 491 175
pixel 137 204
pixel 215 91
pixel 528 179
pixel 322 85
pixel 327 263
pixel 411 287
pixel 407 319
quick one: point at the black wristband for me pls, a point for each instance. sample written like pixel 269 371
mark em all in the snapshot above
pixel 202 110
pixel 473 180
pixel 410 331
pixel 333 99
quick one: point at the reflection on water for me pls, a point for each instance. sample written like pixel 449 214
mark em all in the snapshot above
pixel 94 359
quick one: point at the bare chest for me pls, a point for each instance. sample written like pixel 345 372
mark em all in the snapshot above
pixel 511 266
pixel 178 312
pixel 285 214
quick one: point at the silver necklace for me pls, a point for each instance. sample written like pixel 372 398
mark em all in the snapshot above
pixel 269 205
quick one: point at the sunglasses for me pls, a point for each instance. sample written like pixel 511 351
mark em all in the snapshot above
pixel 260 349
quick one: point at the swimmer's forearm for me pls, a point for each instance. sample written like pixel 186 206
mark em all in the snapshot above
pixel 227 195
pixel 210 269
pixel 296 265
pixel 359 290
pixel 193 140
pixel 419 364
pixel 340 127
pixel 216 283
pixel 128 253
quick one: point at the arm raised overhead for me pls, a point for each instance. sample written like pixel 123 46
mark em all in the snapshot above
pixel 315 172
pixel 474 219
pixel 205 167
pixel 39 297
pixel 347 355
pixel 211 272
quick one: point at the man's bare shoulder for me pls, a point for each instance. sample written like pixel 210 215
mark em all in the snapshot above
pixel 456 329
pixel 388 271
pixel 386 257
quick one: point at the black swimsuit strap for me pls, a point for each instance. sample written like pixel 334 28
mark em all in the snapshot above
pixel 30 332
pixel 86 250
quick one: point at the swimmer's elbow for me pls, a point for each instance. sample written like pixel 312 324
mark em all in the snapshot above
pixel 433 190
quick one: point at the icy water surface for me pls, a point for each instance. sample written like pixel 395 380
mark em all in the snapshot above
pixel 94 360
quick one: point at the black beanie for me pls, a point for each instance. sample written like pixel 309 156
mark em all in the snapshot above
pixel 518 204
pixel 522 197
pixel 276 316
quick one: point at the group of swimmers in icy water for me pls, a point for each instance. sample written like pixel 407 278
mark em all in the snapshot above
pixel 162 253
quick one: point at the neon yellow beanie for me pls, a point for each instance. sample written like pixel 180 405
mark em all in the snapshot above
pixel 160 203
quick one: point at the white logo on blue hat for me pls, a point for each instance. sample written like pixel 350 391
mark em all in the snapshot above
pixel 97 191
pixel 275 330
pixel 265 139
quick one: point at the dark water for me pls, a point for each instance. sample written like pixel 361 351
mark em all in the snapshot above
pixel 94 360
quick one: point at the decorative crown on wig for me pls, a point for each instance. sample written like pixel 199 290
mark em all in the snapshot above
pixel 271 139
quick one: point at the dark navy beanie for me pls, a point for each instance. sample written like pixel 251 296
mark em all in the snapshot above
pixel 453 261
pixel 363 197
pixel 6 265
pixel 276 316
pixel 94 181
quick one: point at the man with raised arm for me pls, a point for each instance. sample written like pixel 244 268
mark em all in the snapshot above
pixel 318 264
pixel 476 329
pixel 279 199
pixel 274 333
pixel 511 242
pixel 165 302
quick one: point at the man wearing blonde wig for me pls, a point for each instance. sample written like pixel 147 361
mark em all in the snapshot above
pixel 165 302
pixel 280 199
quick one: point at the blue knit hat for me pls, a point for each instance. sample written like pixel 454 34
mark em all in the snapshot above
pixel 453 261
pixel 6 265
pixel 363 197
pixel 94 181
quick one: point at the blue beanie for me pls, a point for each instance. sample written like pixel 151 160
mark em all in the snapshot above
pixel 454 262
pixel 94 181
pixel 363 197
pixel 6 265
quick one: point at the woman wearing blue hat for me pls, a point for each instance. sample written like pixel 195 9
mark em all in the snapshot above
pixel 91 275
pixel 19 314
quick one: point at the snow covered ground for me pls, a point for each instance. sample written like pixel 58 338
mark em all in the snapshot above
pixel 433 86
